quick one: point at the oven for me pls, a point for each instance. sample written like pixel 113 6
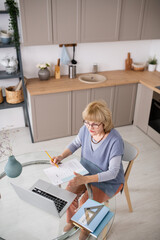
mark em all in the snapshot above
pixel 154 118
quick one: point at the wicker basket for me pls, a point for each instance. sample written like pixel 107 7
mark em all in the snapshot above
pixel 1 96
pixel 14 97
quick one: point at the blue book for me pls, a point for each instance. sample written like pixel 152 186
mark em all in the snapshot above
pixel 90 215
pixel 102 224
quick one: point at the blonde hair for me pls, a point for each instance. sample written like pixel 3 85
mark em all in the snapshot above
pixel 98 111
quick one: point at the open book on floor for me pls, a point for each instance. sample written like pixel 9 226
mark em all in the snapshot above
pixel 92 216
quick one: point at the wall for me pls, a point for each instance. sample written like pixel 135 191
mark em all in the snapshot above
pixel 108 56
pixel 155 49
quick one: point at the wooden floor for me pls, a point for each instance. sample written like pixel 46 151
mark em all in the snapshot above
pixel 144 184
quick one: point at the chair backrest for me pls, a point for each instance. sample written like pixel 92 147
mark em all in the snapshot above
pixel 130 154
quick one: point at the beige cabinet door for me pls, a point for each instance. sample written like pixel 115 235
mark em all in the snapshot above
pixel 107 94
pixel 36 22
pixel 124 104
pixel 100 20
pixel 151 29
pixel 131 19
pixel 66 21
pixel 143 106
pixel 80 99
pixel 51 116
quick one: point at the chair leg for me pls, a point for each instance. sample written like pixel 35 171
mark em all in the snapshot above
pixel 126 191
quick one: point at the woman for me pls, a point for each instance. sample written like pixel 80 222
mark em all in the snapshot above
pixel 101 154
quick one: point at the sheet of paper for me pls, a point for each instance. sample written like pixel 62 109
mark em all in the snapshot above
pixel 65 171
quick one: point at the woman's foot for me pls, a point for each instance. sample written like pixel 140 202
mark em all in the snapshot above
pixel 68 227
pixel 83 235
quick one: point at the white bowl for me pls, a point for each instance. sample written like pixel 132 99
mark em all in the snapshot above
pixel 138 66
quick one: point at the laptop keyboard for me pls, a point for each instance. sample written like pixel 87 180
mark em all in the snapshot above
pixel 60 203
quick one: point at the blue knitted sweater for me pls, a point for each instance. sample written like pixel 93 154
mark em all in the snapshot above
pixel 98 161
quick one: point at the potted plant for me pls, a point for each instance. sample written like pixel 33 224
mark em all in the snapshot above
pixel 12 8
pixel 152 64
pixel 13 168
pixel 43 73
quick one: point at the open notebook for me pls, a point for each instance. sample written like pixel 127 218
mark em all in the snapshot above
pixel 65 171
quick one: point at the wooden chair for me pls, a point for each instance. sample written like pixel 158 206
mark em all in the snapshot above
pixel 130 154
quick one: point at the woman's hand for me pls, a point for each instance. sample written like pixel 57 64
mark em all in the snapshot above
pixel 80 179
pixel 77 180
pixel 56 160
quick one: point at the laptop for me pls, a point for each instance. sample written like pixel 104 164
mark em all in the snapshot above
pixel 47 197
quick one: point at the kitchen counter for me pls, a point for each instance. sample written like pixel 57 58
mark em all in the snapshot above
pixel 118 77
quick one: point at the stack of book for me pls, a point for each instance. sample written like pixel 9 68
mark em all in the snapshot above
pixel 93 217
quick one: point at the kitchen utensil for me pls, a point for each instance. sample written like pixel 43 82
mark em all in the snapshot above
pixel 128 62
pixel 58 62
pixel 57 69
pixel 72 71
pixel 19 85
pixel 73 60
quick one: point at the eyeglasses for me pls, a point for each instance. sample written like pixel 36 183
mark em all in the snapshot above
pixel 93 125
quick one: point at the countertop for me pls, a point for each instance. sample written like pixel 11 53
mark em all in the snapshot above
pixel 114 78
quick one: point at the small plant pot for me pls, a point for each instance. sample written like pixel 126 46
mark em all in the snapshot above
pixel 44 74
pixel 151 67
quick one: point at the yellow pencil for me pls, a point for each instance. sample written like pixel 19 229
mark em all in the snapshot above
pixel 51 158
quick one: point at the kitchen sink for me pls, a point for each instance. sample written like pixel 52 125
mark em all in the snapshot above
pixel 92 78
